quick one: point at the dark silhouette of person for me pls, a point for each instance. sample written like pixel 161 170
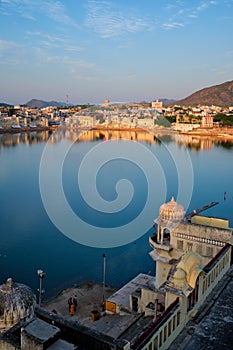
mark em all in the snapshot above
pixel 75 302
pixel 70 302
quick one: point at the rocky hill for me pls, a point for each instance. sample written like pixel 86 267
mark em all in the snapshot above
pixel 220 95
pixel 41 104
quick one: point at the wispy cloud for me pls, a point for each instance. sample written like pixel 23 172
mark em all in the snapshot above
pixel 8 51
pixel 55 41
pixel 181 13
pixel 31 9
pixel 172 25
pixel 229 53
pixel 7 45
pixel 107 20
pixel 49 37
pixel 57 11
pixel 72 65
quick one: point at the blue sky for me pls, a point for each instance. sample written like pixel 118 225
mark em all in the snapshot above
pixel 124 50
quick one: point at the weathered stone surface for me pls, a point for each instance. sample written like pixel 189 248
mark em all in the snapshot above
pixel 17 302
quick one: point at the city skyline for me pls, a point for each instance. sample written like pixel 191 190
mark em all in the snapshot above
pixel 124 50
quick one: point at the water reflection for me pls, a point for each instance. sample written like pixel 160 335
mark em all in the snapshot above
pixel 188 141
pixel 197 143
pixel 12 140
pixel 28 238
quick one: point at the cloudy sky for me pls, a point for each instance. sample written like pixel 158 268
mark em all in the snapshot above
pixel 124 50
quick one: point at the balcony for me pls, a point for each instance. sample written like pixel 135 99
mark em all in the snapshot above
pixel 165 245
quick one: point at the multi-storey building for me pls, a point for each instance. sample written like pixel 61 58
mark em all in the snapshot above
pixel 192 254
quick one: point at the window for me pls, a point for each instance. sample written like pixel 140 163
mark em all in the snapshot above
pixel 199 249
pixel 165 334
pixel 174 323
pixel 180 244
pixel 178 318
pixel 160 338
pixel 156 343
pixel 204 286
pixel 189 246
pixel 169 327
pixel 209 251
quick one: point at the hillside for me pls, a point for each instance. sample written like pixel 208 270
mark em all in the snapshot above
pixel 220 95
pixel 2 104
pixel 167 101
pixel 41 104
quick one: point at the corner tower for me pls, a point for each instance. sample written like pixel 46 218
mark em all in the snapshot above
pixel 170 215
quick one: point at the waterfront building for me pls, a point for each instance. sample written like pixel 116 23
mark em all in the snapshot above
pixel 184 127
pixel 106 103
pixel 207 121
pixel 145 122
pixel 192 254
pixel 86 121
pixel 157 105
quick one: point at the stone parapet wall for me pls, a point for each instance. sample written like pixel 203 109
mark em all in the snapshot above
pixel 207 232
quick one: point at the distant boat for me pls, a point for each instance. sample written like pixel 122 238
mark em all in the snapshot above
pixel 16 127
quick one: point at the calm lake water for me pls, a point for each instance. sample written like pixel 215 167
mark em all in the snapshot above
pixel 199 170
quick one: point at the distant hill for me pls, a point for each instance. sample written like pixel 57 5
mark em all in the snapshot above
pixel 41 104
pixel 220 95
pixel 167 101
pixel 2 104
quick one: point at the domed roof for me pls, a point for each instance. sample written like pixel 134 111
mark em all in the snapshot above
pixel 191 263
pixel 179 274
pixel 179 279
pixel 170 214
pixel 17 302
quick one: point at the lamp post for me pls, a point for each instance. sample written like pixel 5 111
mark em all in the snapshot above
pixel 104 279
pixel 104 271
pixel 41 275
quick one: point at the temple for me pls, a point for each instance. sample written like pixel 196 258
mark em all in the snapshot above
pixel 192 254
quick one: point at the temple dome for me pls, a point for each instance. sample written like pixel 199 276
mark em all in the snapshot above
pixel 17 302
pixel 170 213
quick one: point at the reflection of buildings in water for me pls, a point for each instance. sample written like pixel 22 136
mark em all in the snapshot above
pixel 9 140
pixel 105 135
pixel 78 135
pixel 206 144
pixel 194 142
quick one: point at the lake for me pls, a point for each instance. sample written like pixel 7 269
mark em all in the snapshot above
pixel 67 198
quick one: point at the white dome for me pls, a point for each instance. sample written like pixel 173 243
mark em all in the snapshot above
pixel 170 213
pixel 17 302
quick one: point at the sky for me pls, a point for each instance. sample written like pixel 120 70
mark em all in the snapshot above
pixel 123 50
